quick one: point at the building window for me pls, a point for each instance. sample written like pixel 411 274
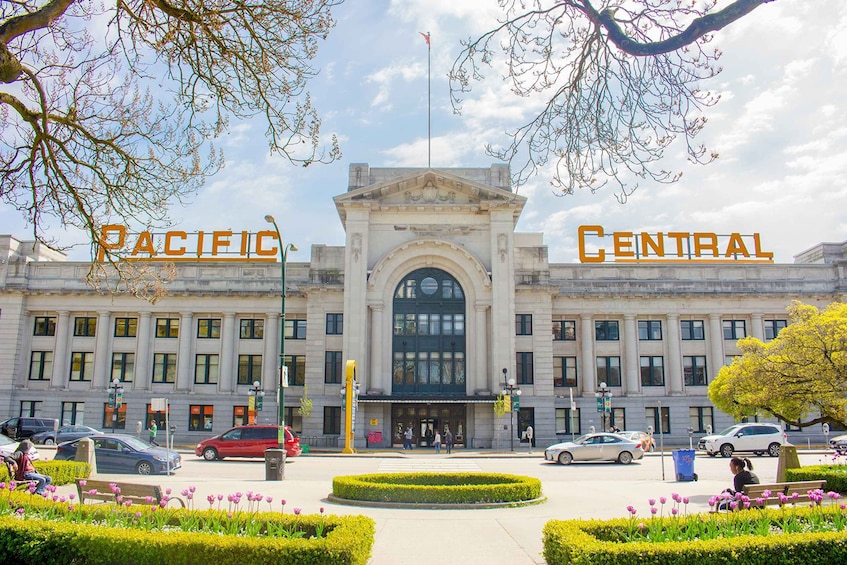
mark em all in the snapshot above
pixel 206 369
pixel 209 328
pixel 249 369
pixel 567 421
pixel 167 327
pixel 699 417
pixel 524 368
pixel 294 419
pixel 239 416
pixel 609 370
pixel 729 359
pixel 564 372
pixel 523 324
pixel 85 326
pixel 126 327
pixel 564 330
pixel 40 365
pixel 201 418
pixel 252 329
pixel 164 367
pixel 617 418
pixel 44 325
pixel 82 365
pixel 692 330
pixel 606 330
pixel 295 329
pixel 112 420
pixel 650 330
pixel 332 367
pixel 734 329
pixel 296 369
pixel 334 324
pixel 73 413
pixel 123 367
pixel 332 420
pixel 773 327
pixel 659 419
pixel 694 370
pixel 652 371
pixel 29 408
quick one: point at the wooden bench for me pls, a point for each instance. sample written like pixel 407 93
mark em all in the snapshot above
pixel 119 493
pixel 10 470
pixel 800 488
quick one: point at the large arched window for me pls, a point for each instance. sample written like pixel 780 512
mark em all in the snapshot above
pixel 428 346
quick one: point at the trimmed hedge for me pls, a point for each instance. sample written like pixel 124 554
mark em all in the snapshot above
pixel 584 542
pixel 346 540
pixel 835 476
pixel 60 472
pixel 437 488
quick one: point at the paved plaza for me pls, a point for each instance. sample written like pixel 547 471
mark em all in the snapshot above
pixel 431 537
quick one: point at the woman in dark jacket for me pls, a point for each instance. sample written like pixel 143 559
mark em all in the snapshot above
pixel 741 476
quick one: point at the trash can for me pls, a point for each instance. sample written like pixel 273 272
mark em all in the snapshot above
pixel 683 464
pixel 274 464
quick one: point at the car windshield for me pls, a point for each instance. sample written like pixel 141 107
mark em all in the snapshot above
pixel 581 439
pixel 6 441
pixel 730 430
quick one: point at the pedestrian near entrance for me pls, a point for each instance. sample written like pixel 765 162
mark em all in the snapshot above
pixel 408 443
pixel 448 440
pixel 437 441
pixel 153 429
pixel 529 434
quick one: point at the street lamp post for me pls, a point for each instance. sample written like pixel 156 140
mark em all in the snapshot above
pixel 513 391
pixel 116 392
pixel 256 394
pixel 283 256
pixel 604 403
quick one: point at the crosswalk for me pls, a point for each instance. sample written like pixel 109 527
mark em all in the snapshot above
pixel 427 465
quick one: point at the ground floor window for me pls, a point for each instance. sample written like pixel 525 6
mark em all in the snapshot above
pixel 659 419
pixel 425 419
pixel 567 421
pixel 239 416
pixel 294 419
pixel 201 418
pixel 73 413
pixel 114 420
pixel 332 420
pixel 618 419
pixel 700 417
pixel 29 408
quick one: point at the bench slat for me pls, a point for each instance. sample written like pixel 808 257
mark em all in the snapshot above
pixel 789 489
pixel 136 493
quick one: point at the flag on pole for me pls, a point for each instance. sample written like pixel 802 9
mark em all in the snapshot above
pixel 426 38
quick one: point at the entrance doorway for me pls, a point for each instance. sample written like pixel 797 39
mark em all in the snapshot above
pixel 424 419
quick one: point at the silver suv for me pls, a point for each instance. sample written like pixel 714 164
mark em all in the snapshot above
pixel 756 438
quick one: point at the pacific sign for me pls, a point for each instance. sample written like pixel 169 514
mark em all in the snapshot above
pixel 174 246
pixel 669 247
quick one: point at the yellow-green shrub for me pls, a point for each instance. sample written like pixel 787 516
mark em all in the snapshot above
pixel 834 475
pixel 60 472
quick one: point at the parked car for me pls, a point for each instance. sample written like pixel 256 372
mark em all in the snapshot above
pixel 65 433
pixel 757 438
pixel 648 443
pixel 839 444
pixel 247 441
pixel 595 447
pixel 25 427
pixel 8 446
pixel 119 453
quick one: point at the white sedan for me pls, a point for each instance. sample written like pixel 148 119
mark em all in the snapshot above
pixel 595 447
pixel 8 446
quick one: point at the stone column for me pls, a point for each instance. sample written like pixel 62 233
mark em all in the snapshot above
pixel 184 378
pixel 631 366
pixel 228 366
pixel 482 371
pixel 757 327
pixel 674 357
pixel 60 357
pixel 378 338
pixel 102 352
pixel 586 350
pixel 143 375
pixel 270 364
pixel 715 343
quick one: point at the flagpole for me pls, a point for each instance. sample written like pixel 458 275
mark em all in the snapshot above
pixel 428 102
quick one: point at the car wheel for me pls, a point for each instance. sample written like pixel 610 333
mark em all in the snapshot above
pixel 565 458
pixel 726 450
pixel 210 454
pixel 49 441
pixel 144 468
pixel 625 458
pixel 773 450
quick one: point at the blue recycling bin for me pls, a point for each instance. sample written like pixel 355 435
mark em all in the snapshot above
pixel 683 464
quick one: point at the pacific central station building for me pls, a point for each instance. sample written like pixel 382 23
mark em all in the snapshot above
pixel 438 300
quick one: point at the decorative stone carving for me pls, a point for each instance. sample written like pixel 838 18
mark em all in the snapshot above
pixel 356 246
pixel 430 194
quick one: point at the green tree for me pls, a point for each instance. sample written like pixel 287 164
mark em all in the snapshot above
pixel 617 83
pixel 108 110
pixel 305 409
pixel 800 376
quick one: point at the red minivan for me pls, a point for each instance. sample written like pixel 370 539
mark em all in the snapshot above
pixel 247 441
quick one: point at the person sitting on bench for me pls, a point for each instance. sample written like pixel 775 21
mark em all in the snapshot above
pixel 24 469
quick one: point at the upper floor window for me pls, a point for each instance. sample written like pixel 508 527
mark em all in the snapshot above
pixel 82 365
pixel 564 330
pixel 692 330
pixel 126 327
pixel 564 372
pixel 334 324
pixel 609 370
pixel 650 330
pixel 694 370
pixel 652 371
pixel 85 326
pixel 206 369
pixel 252 329
pixel 606 330
pixel 164 367
pixel 44 325
pixel 773 327
pixel 40 365
pixel 525 368
pixel 332 367
pixel 734 329
pixel 523 324
pixel 295 329
pixel 209 328
pixel 167 327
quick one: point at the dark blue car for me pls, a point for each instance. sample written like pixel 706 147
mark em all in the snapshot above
pixel 118 453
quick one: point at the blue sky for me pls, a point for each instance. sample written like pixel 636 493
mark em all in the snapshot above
pixel 780 128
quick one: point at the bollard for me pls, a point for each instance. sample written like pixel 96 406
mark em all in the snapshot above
pixel 85 453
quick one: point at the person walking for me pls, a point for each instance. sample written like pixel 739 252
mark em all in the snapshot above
pixel 529 433
pixel 153 429
pixel 448 440
pixel 408 434
pixel 437 441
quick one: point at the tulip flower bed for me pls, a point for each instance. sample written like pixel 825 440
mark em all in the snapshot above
pixel 54 529
pixel 811 535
